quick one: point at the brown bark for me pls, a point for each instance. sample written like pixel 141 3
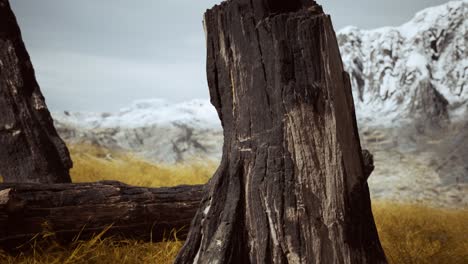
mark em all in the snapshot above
pixel 30 149
pixel 291 187
pixel 89 208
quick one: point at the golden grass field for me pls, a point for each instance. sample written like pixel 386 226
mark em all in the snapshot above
pixel 410 233
pixel 97 164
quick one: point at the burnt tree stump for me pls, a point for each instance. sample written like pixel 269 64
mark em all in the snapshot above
pixel 291 187
pixel 30 149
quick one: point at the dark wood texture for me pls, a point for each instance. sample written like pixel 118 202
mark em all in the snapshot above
pixel 89 208
pixel 30 149
pixel 291 187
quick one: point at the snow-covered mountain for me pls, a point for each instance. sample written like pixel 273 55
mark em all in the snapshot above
pixel 144 113
pixel 411 96
pixel 418 70
pixel 155 129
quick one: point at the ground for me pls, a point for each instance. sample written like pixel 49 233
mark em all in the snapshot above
pixel 410 233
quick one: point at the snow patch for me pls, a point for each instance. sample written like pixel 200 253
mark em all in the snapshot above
pixel 146 113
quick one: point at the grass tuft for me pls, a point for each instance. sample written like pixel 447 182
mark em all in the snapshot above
pixel 97 250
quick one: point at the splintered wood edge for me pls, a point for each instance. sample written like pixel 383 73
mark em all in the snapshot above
pixel 4 196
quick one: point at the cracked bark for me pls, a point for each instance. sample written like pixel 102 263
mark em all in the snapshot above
pixel 30 149
pixel 291 187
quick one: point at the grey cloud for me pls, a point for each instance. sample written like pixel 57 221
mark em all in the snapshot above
pixel 100 55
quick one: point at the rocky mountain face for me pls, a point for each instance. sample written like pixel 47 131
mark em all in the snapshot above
pixel 411 96
pixel 157 130
pixel 417 71
pixel 409 87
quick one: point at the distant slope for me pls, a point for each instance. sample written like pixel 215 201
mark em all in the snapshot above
pixel 155 129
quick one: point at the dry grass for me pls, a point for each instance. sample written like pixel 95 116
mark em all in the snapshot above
pixel 410 234
pixel 418 234
pixel 97 164
pixel 98 250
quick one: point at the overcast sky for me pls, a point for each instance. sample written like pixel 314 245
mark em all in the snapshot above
pixel 100 55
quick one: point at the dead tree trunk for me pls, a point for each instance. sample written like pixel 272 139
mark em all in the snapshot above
pixel 291 187
pixel 30 149
pixel 86 209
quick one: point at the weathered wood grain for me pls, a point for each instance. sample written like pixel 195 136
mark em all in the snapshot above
pixel 291 187
pixel 89 208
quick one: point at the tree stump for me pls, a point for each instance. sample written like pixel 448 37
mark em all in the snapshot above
pixel 30 149
pixel 291 187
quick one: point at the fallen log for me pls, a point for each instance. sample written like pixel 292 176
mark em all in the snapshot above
pixel 88 208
